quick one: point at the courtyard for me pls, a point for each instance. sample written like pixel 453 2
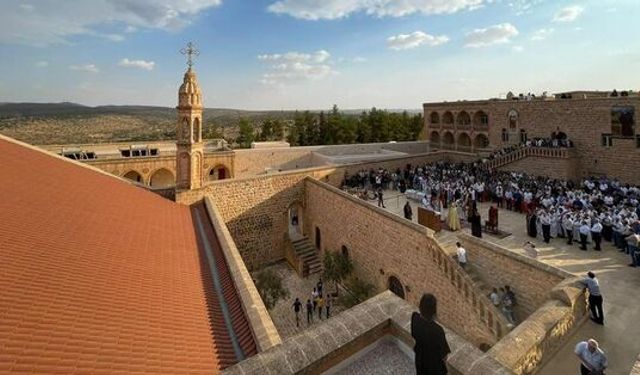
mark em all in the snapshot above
pixel 619 285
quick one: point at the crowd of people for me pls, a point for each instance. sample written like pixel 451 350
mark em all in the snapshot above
pixel 317 302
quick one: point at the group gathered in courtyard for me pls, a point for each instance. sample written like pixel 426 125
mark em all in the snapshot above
pixel 317 302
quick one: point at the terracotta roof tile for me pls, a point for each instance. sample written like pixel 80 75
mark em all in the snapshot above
pixel 99 276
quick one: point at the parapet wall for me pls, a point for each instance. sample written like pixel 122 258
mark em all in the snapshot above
pixel 557 168
pixel 384 245
pixel 530 280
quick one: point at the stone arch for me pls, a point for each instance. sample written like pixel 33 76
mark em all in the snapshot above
pixel 505 135
pixel 447 118
pixel 464 140
pixel 396 286
pixel 463 118
pixel 133 176
pixel 184 164
pixel 318 239
pixel 481 141
pixel 162 178
pixel 295 220
pixel 184 131
pixel 197 134
pixel 434 138
pixel 480 118
pixel 219 172
pixel 447 140
pixel 434 118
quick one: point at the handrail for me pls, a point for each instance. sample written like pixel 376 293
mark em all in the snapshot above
pixel 546 152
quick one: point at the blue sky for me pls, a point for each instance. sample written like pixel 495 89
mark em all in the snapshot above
pixel 297 54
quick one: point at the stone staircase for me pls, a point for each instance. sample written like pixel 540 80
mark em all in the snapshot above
pixel 307 253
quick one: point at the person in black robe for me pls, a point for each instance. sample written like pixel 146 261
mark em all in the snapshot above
pixel 532 226
pixel 476 224
pixel 431 347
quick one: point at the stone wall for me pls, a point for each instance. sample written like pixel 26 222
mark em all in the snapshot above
pixel 530 280
pixel 251 162
pixel 264 331
pixel 583 120
pixel 532 343
pixel 327 344
pixel 565 169
pixel 383 245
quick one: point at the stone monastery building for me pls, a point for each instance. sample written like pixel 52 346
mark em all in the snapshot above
pixel 136 258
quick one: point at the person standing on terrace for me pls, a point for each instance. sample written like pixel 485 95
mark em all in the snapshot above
pixel 431 346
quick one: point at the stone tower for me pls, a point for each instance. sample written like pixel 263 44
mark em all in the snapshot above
pixel 190 149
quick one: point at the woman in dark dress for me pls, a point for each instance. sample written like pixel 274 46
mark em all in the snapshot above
pixel 431 347
pixel 532 228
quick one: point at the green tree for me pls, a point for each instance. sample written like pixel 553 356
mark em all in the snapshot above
pixel 358 291
pixel 212 131
pixel 311 130
pixel 246 134
pixel 336 267
pixel 266 130
pixel 278 130
pixel 270 287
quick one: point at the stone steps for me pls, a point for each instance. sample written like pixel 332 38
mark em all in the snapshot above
pixel 309 256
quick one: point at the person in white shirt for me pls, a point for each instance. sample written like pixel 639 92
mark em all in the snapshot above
pixel 462 255
pixel 584 234
pixel 495 297
pixel 567 224
pixel 592 359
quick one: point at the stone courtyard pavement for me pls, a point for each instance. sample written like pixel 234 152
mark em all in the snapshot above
pixel 620 286
pixel 282 313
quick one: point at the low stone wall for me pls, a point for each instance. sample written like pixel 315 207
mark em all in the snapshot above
pixel 530 280
pixel 264 331
pixel 383 245
pixel 525 349
pixel 253 162
pixel 327 344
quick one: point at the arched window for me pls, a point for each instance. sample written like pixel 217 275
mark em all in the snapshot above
pixel 133 176
pixel 318 239
pixel 480 118
pixel 481 141
pixel 464 140
pixel 396 286
pixel 219 172
pixel 463 118
pixel 435 118
pixel 197 134
pixel 505 135
pixel 435 138
pixel 448 141
pixel 523 136
pixel 162 178
pixel 447 118
pixel 345 251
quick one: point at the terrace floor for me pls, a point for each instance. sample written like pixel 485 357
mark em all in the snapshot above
pixel 620 286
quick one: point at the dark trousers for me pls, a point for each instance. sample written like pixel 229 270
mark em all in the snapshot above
pixel 546 232
pixel 569 236
pixel 597 238
pixel 595 305
pixel 607 231
pixel 583 241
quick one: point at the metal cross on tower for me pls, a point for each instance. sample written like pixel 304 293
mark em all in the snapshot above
pixel 191 52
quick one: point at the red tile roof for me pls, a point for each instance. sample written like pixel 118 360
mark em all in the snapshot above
pixel 100 276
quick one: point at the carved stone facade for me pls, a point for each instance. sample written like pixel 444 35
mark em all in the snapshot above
pixel 190 148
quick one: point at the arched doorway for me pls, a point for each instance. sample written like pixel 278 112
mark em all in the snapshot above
pixel 464 142
pixel 434 138
pixel 318 239
pixel 133 176
pixel 481 141
pixel 448 140
pixel 162 178
pixel 480 118
pixel 396 286
pixel 295 217
pixel 219 172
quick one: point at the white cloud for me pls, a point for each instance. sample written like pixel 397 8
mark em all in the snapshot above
pixel 496 34
pixel 91 68
pixel 517 48
pixel 415 39
pixel 141 64
pixel 42 64
pixel 54 21
pixel 523 6
pixel 113 37
pixel 541 34
pixel 568 14
pixel 335 9
pixel 294 67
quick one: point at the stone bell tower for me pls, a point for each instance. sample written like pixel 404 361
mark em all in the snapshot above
pixel 190 149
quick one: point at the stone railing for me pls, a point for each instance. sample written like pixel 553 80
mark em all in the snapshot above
pixel 521 153
pixel 532 343
pixel 326 345
pixel 169 193
pixel 489 314
pixel 292 257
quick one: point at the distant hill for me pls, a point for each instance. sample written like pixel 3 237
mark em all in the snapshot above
pixel 65 123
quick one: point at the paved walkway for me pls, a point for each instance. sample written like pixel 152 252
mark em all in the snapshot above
pixel 620 286
pixel 282 313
